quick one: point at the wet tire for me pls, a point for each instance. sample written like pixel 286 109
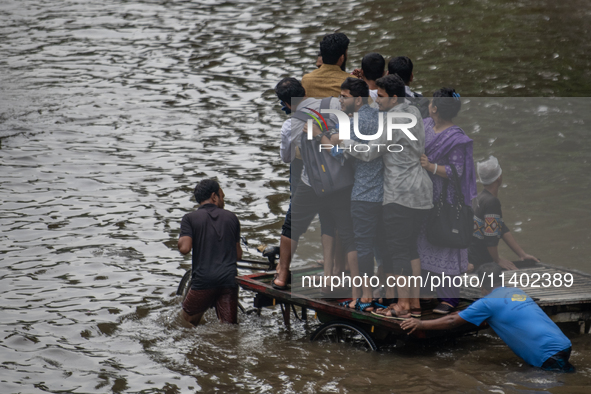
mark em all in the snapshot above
pixel 344 332
pixel 184 285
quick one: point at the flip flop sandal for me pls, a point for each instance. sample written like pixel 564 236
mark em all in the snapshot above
pixel 288 282
pixel 399 314
pixel 443 309
pixel 381 312
pixel 378 305
pixel 417 313
pixel 387 301
pixel 362 306
pixel 345 303
pixel 393 315
pixel 278 287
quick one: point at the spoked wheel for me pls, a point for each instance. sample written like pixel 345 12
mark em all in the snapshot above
pixel 344 332
pixel 184 285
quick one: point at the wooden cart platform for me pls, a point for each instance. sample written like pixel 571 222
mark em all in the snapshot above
pixel 327 311
pixel 562 303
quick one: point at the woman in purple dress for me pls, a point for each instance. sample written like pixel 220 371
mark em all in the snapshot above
pixel 446 144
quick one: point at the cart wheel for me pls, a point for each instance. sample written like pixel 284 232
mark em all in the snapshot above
pixel 184 285
pixel 344 332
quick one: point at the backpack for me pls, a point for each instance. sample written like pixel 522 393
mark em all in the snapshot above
pixel 422 103
pixel 326 173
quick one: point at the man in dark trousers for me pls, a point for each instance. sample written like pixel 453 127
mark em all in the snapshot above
pixel 214 235
pixel 515 317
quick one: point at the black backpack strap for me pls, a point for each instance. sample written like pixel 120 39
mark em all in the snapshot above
pixel 325 103
pixel 301 115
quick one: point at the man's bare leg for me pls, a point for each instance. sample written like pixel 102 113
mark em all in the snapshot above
pixel 390 289
pixel 328 249
pixel 403 292
pixel 354 267
pixel 286 248
pixel 340 257
pixel 415 291
pixel 194 319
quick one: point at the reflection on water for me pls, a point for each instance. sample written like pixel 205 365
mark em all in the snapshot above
pixel 110 112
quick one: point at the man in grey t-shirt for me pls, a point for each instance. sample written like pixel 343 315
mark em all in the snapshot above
pixel 408 190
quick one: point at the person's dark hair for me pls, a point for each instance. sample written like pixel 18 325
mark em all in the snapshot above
pixel 402 66
pixel 204 189
pixel 357 87
pixel 447 102
pixel 333 46
pixel 485 271
pixel 392 84
pixel 288 88
pixel 373 65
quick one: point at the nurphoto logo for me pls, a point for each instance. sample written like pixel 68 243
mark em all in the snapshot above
pixel 344 128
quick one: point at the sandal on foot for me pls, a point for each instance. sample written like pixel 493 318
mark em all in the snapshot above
pixel 381 311
pixel 288 281
pixel 415 312
pixel 392 314
pixel 278 287
pixel 396 313
pixel 362 306
pixel 345 303
pixel 379 305
pixel 443 309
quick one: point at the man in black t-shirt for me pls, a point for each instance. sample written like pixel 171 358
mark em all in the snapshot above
pixel 214 235
pixel 489 226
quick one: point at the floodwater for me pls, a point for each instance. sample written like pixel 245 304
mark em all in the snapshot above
pixel 111 111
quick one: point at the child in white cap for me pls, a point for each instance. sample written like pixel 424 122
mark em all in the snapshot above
pixel 489 226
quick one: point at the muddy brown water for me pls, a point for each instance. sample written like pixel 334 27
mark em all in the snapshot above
pixel 111 111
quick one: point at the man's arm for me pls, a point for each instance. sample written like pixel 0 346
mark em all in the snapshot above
pixel 444 323
pixel 512 243
pixel 286 148
pixel 334 140
pixel 377 148
pixel 238 251
pixel 374 152
pixel 365 156
pixel 185 244
pixel 503 263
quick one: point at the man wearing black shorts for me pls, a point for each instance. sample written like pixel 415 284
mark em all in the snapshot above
pixel 214 235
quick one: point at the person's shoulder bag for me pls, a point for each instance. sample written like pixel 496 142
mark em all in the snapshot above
pixel 451 225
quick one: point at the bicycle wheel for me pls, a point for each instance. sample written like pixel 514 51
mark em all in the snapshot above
pixel 184 285
pixel 344 332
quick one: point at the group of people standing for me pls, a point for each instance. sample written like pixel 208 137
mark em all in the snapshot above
pixel 381 215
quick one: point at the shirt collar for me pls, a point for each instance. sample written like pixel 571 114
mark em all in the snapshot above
pixel 208 206
pixel 331 67
pixel 400 106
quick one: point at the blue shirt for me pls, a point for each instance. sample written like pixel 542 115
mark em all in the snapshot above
pixel 369 176
pixel 520 322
